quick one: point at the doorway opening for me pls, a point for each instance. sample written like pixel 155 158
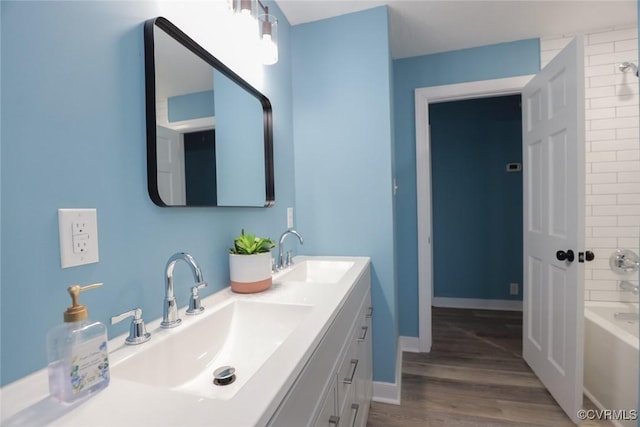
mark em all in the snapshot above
pixel 476 180
pixel 424 97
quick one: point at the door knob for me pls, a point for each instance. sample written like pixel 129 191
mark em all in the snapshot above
pixel 565 256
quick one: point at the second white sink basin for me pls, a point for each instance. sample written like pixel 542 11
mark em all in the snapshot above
pixel 317 271
pixel 241 334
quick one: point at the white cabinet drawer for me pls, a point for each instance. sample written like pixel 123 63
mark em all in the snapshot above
pixel 328 413
pixel 351 415
pixel 363 383
pixel 354 398
pixel 351 367
pixel 303 403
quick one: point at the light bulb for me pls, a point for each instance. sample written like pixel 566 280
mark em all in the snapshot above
pixel 268 41
pixel 268 50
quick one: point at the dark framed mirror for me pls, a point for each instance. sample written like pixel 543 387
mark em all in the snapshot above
pixel 209 132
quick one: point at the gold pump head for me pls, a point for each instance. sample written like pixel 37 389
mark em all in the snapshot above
pixel 76 312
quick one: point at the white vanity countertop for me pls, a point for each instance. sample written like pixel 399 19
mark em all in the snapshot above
pixel 26 402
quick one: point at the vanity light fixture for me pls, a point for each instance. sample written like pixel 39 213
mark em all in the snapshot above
pixel 245 13
pixel 250 12
pixel 247 8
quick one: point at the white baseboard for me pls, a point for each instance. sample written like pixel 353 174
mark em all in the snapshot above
pixel 390 392
pixel 479 304
pixel 410 344
pixel 386 393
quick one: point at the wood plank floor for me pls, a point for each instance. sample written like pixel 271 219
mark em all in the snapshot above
pixel 474 376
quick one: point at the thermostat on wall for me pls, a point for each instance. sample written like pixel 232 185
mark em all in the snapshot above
pixel 514 167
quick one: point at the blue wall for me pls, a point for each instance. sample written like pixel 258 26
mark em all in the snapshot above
pixel 191 106
pixel 483 63
pixel 74 136
pixel 477 204
pixel 239 133
pixel 343 145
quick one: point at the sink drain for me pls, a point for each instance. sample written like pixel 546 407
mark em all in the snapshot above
pixel 224 375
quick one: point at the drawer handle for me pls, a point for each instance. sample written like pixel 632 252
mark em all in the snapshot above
pixel 349 380
pixel 364 334
pixel 355 407
pixel 333 420
pixel 370 312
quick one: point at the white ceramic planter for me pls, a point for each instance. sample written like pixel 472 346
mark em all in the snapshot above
pixel 250 273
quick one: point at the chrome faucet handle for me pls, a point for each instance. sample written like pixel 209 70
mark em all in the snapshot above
pixel 628 286
pixel 289 258
pixel 194 300
pixel 624 261
pixel 137 332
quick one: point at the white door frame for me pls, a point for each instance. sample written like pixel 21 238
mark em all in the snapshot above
pixel 423 97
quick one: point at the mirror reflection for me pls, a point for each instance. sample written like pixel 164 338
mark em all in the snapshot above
pixel 209 138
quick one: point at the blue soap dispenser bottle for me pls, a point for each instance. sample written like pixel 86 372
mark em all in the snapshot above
pixel 77 352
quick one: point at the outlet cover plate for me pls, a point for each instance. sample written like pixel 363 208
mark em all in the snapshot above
pixel 514 288
pixel 78 229
pixel 289 218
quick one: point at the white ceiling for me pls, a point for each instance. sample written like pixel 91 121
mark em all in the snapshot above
pixel 420 27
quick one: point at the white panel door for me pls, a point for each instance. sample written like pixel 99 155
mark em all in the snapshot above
pixel 553 155
pixel 171 179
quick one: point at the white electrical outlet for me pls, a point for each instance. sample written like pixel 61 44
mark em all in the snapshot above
pixel 289 217
pixel 514 289
pixel 78 230
pixel 80 243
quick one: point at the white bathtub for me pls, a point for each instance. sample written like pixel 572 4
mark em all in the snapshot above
pixel 611 357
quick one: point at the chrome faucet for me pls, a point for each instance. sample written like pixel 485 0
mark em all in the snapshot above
pixel 282 264
pixel 170 317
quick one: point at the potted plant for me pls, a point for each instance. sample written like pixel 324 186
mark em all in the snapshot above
pixel 250 263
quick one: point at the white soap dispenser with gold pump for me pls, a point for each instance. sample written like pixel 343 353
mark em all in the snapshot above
pixel 77 352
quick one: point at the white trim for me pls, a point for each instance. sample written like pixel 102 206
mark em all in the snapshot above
pixel 423 97
pixel 409 344
pixel 423 190
pixel 390 392
pixel 386 393
pixel 479 89
pixel 479 304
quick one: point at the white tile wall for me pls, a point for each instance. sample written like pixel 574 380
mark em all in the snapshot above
pixel 612 125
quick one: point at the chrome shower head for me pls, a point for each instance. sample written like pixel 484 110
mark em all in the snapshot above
pixel 628 65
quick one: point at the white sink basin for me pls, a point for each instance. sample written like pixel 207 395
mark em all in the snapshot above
pixel 317 271
pixel 241 334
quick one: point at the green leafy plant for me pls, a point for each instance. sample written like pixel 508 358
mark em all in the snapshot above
pixel 249 244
